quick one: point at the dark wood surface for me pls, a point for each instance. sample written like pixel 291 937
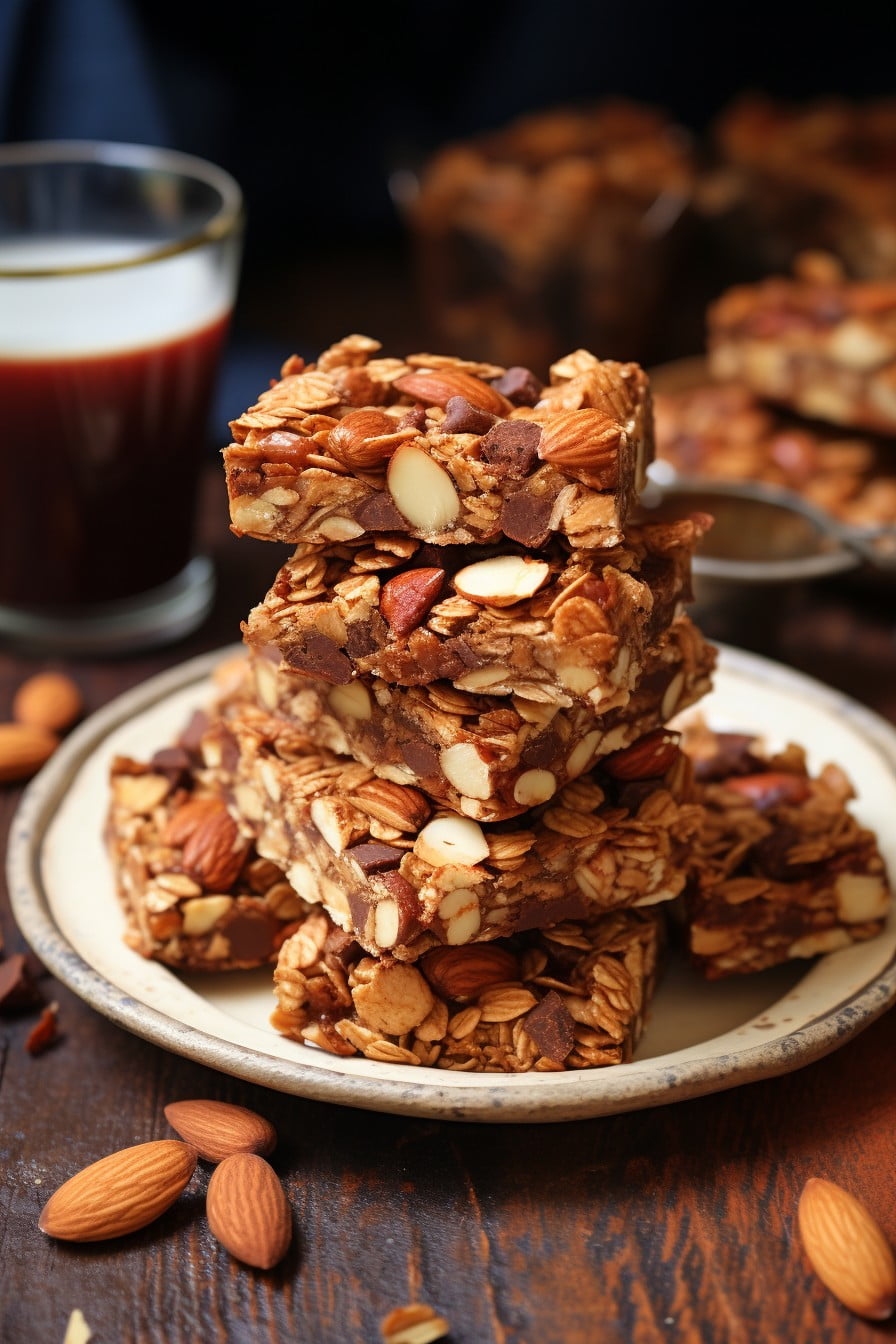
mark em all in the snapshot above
pixel 676 1223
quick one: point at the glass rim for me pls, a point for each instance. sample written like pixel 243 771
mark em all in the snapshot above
pixel 226 220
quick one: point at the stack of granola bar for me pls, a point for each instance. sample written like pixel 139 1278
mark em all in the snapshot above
pixel 442 793
pixel 804 393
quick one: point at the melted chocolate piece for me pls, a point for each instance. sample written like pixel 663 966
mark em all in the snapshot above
pixel 463 418
pixel 250 934
pixel 421 758
pixel 526 518
pixel 378 513
pixel 374 857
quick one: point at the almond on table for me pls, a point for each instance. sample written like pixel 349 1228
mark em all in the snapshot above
pixel 847 1249
pixel 248 1212
pixel 218 1129
pixel 120 1193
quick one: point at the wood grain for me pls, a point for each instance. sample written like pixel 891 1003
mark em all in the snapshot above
pixel 676 1224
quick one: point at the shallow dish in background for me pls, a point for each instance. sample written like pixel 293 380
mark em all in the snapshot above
pixel 700 1038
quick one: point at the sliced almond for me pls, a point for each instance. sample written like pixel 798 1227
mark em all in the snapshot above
pixel 501 580
pixel 452 840
pixel 218 1129
pixel 423 491
pixel 847 1249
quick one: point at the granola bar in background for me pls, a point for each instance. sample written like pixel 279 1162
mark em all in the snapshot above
pixel 781 867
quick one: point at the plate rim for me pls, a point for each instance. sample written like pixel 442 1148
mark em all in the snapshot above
pixel 498 1098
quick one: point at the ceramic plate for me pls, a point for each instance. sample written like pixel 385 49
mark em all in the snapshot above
pixel 700 1037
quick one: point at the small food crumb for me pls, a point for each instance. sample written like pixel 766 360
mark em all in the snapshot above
pixel 44 1032
pixel 77 1331
pixel 414 1324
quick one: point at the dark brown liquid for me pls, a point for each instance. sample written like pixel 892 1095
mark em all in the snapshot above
pixel 98 470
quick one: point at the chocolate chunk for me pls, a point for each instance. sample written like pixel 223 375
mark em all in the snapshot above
pixel 192 735
pixel 18 991
pixel 535 913
pixel 320 656
pixel 449 558
pixel 359 640
pixel 519 385
pixel 526 518
pixel 732 757
pixel 360 908
pixel 551 1028
pixel 465 653
pixel 463 418
pixel 176 764
pixel 250 934
pixel 421 758
pixel 375 858
pixel 341 945
pixel 541 752
pixel 378 513
pixel 511 448
pixel 630 793
pixel 769 856
pixel 414 419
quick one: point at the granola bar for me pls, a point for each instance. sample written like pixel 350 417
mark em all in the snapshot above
pixel 817 344
pixel 570 997
pixel 809 175
pixel 445 450
pixel 401 876
pixel 555 627
pixel 559 227
pixel 782 868
pixel 484 758
pixel 723 430
pixel 195 891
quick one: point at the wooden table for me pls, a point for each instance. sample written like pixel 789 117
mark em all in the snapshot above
pixel 669 1224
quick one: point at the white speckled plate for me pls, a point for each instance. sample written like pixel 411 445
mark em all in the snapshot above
pixel 700 1038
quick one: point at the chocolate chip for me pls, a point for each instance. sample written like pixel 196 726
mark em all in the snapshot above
pixel 250 934
pixel 769 856
pixel 375 858
pixel 551 1028
pixel 320 656
pixel 463 418
pixel 377 513
pixel 519 385
pixel 511 448
pixel 18 991
pixel 414 419
pixel 526 518
pixel 421 758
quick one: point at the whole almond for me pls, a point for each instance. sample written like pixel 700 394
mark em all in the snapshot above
pixel 407 598
pixel 395 805
pixel 120 1193
pixel 24 749
pixel 847 1249
pixel 770 789
pixel 583 444
pixel 214 853
pixel 363 440
pixel 187 818
pixel 216 1129
pixel 437 389
pixel 248 1211
pixel 463 972
pixel 648 758
pixel 47 700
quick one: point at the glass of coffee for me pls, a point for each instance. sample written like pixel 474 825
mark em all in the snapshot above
pixel 118 273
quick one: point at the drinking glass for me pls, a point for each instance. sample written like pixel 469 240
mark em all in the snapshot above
pixel 118 273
